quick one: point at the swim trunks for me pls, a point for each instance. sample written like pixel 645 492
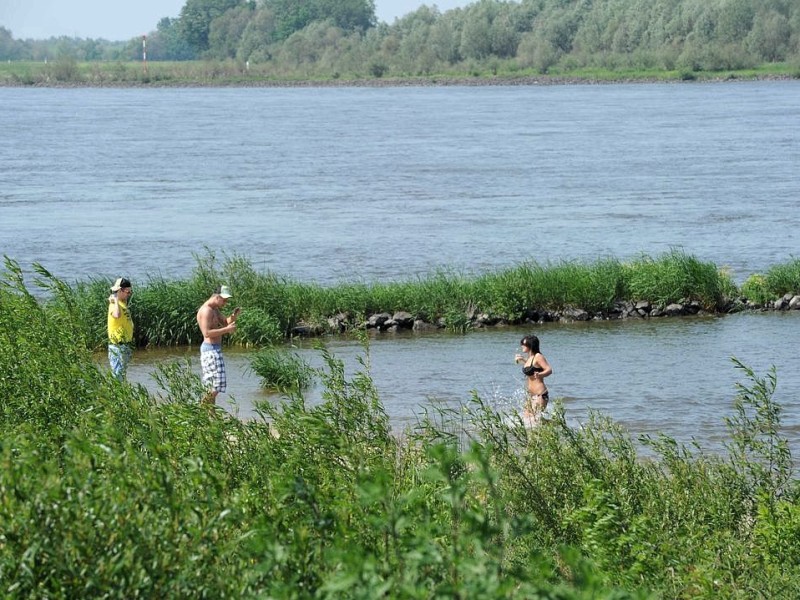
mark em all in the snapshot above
pixel 213 366
pixel 119 356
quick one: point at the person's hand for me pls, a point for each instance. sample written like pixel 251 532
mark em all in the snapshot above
pixel 112 299
pixel 518 358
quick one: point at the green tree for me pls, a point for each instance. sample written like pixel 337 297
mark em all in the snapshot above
pixel 536 51
pixel 735 20
pixel 350 15
pixel 476 38
pixel 7 45
pixel 226 31
pixel 259 34
pixel 771 36
pixel 445 39
pixel 294 15
pixel 196 18
pixel 413 54
pixel 166 43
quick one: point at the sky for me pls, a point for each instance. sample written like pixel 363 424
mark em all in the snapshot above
pixel 118 20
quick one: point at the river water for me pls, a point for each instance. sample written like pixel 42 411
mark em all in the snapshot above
pixel 333 184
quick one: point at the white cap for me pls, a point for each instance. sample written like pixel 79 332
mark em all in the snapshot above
pixel 225 292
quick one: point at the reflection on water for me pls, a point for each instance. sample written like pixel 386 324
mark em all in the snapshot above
pixel 673 376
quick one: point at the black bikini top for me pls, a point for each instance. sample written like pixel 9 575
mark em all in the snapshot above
pixel 528 371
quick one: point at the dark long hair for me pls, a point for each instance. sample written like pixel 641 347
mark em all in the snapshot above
pixel 531 342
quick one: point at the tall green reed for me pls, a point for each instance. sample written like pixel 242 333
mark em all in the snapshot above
pixel 784 278
pixel 274 305
pixel 675 277
pixel 281 370
pixel 779 280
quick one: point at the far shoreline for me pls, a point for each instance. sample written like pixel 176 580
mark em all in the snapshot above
pixel 399 82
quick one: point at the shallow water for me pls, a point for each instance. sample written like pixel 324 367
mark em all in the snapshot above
pixel 673 376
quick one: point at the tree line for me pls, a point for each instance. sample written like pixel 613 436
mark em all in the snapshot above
pixel 331 38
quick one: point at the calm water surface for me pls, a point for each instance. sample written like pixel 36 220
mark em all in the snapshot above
pixel 673 376
pixel 332 184
pixel 385 184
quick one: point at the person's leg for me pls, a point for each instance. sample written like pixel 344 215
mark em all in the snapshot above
pixel 126 354
pixel 118 359
pixel 535 404
pixel 207 367
pixel 214 376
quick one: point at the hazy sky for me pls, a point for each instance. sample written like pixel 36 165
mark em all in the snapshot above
pixel 123 19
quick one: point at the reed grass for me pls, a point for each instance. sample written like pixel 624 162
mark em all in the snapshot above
pixel 676 277
pixel 281 370
pixel 274 305
pixel 779 280
pixel 784 278
pixel 756 290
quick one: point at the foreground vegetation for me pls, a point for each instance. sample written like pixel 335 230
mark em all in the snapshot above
pixel 106 491
pixel 238 41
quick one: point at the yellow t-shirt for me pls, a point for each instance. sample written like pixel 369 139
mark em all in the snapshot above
pixel 120 329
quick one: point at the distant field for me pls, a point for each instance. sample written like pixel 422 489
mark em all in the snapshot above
pixel 67 72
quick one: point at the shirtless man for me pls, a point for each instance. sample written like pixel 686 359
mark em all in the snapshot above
pixel 213 325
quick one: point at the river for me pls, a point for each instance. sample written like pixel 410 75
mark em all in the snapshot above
pixel 334 184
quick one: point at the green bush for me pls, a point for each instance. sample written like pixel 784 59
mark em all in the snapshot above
pixel 756 289
pixel 280 369
pixel 784 278
pixel 256 327
pixel 675 277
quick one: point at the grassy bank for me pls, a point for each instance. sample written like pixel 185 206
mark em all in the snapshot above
pixel 276 307
pixel 106 491
pixel 67 72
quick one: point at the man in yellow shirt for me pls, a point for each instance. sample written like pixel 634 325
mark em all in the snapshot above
pixel 120 328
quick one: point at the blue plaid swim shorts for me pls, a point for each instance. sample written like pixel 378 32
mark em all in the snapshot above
pixel 119 357
pixel 213 366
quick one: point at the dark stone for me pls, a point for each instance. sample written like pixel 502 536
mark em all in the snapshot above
pixel 674 310
pixel 420 325
pixel 378 320
pixel 303 330
pixel 338 322
pixel 485 319
pixel 693 307
pixel 403 319
pixel 576 314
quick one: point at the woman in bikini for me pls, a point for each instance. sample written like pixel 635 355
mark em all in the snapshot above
pixel 536 368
